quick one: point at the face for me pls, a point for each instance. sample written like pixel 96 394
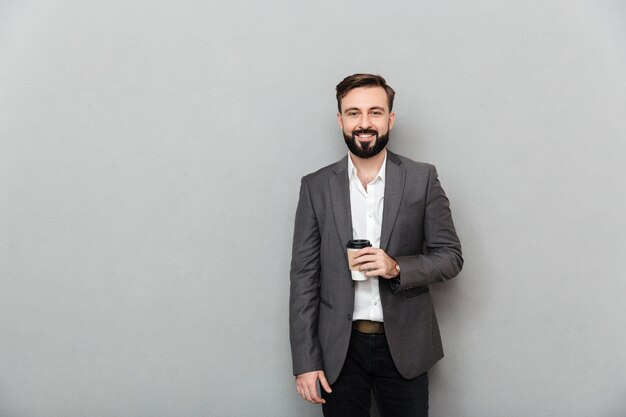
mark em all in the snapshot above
pixel 365 121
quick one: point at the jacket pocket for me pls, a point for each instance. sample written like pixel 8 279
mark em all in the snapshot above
pixel 415 292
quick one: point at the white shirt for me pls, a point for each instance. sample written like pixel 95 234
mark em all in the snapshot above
pixel 367 218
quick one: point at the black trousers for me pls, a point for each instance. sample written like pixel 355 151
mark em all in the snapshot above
pixel 369 367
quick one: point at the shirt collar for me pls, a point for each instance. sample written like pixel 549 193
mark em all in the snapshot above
pixel 381 173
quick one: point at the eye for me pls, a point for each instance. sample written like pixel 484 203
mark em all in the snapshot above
pixel 377 113
pixel 351 113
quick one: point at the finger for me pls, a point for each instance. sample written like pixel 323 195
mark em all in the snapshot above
pixel 301 384
pixel 370 266
pixel 304 393
pixel 373 269
pixel 307 397
pixel 312 397
pixel 360 261
pixel 374 273
pixel 366 251
pixel 366 258
pixel 324 383
pixel 304 389
pixel 312 394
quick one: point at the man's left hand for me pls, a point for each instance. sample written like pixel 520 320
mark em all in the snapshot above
pixel 376 262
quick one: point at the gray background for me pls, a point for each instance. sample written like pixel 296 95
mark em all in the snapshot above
pixel 150 159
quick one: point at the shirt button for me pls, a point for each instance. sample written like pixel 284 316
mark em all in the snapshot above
pixel 375 303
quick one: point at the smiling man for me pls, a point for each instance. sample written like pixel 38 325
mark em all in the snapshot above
pixel 380 334
pixel 366 129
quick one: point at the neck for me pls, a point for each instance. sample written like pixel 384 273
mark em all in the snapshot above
pixel 370 166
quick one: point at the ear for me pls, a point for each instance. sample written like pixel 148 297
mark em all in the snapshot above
pixel 339 121
pixel 392 120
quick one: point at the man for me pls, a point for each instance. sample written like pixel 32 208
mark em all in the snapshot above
pixel 381 334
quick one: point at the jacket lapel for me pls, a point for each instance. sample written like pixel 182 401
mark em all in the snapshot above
pixel 340 200
pixel 395 177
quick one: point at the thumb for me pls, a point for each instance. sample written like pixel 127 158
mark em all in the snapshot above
pixel 324 382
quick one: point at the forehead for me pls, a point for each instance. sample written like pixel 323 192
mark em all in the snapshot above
pixel 365 98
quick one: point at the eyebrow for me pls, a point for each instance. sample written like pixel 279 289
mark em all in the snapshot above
pixel 371 108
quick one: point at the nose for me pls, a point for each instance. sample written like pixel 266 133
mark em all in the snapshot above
pixel 364 122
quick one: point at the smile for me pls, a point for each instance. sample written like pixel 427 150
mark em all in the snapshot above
pixel 365 135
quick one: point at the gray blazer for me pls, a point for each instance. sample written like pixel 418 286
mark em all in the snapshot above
pixel 417 230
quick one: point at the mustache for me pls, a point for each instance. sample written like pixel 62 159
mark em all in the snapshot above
pixel 364 132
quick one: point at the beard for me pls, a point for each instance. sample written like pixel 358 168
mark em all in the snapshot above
pixel 366 150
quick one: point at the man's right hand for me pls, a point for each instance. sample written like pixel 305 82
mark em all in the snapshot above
pixel 306 384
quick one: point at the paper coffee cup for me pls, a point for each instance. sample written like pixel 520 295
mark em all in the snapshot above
pixel 353 247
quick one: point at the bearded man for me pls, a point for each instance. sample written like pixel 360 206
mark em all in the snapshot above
pixel 380 334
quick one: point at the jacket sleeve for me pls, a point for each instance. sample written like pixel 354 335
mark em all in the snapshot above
pixel 304 290
pixel 442 260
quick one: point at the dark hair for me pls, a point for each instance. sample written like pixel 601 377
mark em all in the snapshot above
pixel 363 80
